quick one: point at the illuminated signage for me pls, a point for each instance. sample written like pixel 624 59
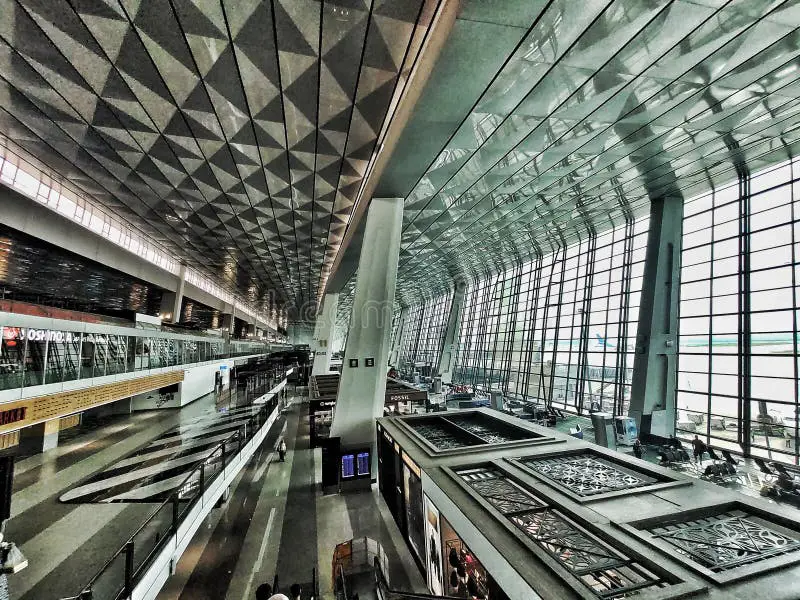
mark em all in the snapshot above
pixel 12 416
pixel 38 335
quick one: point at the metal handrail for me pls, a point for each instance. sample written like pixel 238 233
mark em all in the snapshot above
pixel 128 547
pixel 343 583
pixel 383 585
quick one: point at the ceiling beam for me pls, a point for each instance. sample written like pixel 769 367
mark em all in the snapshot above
pixel 436 36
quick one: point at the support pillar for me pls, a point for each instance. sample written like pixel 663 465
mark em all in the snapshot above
pixel 176 311
pixel 172 302
pixel 40 437
pixel 362 388
pixel 654 382
pixel 228 322
pixel 323 336
pixel 397 339
pixel 447 358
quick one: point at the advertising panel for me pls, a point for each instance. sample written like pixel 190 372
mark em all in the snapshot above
pixel 433 548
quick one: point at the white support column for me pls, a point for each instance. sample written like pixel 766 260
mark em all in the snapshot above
pixel 397 340
pixel 654 379
pixel 447 358
pixel 176 308
pixel 362 388
pixel 171 302
pixel 323 334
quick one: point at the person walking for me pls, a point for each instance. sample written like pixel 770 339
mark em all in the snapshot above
pixel 699 448
pixel 282 449
pixel 638 449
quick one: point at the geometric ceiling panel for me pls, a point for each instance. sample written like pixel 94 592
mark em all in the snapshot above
pixel 235 133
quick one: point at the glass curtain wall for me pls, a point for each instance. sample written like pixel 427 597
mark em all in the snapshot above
pixel 738 345
pixel 560 329
pixel 30 357
pixel 423 334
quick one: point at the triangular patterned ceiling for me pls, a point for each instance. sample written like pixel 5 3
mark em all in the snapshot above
pixel 233 132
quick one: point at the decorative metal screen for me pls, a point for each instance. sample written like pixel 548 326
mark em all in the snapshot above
pixel 587 475
pixel 462 430
pixel 608 572
pixel 728 540
pixel 443 438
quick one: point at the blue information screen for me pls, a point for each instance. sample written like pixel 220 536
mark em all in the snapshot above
pixel 348 466
pixel 363 463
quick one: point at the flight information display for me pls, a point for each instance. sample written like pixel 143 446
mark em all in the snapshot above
pixel 355 465
pixel 363 463
pixel 348 466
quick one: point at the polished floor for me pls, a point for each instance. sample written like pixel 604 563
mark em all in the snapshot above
pixel 152 473
pixel 67 543
pixel 276 521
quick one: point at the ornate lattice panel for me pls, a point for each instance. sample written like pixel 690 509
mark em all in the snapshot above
pixel 464 430
pixel 608 572
pixel 727 540
pixel 588 475
pixel 440 436
pixel 484 430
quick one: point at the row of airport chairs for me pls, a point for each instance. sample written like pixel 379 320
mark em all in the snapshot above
pixel 779 479
pixel 720 469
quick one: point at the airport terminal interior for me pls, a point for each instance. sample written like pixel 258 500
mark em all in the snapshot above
pixel 399 299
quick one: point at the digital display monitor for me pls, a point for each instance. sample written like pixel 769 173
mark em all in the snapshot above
pixel 348 466
pixel 363 463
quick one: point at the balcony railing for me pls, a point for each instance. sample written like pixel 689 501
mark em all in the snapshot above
pixel 36 356
pixel 120 574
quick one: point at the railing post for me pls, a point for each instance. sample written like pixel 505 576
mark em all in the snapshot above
pixel 314 583
pixel 175 513
pixel 202 477
pixel 128 569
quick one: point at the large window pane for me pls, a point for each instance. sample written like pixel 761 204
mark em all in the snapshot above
pixel 12 358
pixel 750 347
pixel 63 357
pixel 35 356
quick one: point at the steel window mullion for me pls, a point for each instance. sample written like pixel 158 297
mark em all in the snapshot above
pixel 583 357
pixel 483 342
pixel 511 325
pixel 462 356
pixel 794 319
pixel 558 325
pixel 496 308
pixel 744 312
pixel 546 316
pixel 533 301
pixel 624 314
pixel 579 256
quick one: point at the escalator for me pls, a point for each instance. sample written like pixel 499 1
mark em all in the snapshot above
pixel 360 572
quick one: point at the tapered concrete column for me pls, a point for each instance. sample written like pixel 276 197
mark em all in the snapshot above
pixel 172 302
pixel 655 362
pixel 447 358
pixel 397 339
pixel 362 388
pixel 323 334
pixel 176 308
